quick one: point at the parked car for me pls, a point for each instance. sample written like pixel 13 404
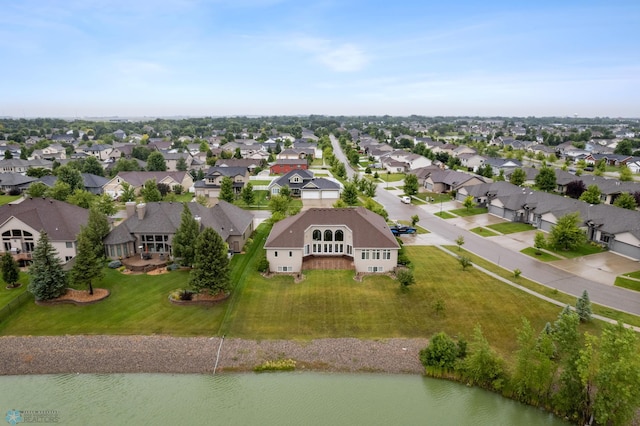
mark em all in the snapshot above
pixel 402 229
pixel 406 199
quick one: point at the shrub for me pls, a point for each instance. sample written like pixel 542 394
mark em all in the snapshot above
pixel 114 264
pixel 185 295
pixel 277 365
pixel 442 352
pixel 173 267
pixel 405 277
pixel 517 272
pixel 263 264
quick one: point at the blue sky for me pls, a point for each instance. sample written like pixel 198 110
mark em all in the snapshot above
pixel 83 58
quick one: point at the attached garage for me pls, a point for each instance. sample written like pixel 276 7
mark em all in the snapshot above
pixel 311 195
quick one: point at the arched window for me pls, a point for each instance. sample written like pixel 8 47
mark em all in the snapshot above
pixel 328 235
pixel 339 235
pixel 317 235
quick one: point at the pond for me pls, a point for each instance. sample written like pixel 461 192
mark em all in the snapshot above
pixel 257 399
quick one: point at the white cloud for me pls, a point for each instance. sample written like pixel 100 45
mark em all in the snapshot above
pixel 345 57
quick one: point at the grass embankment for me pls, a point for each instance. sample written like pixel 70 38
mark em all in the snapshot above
pixel 444 215
pixel 548 291
pixel 484 231
pixel 627 283
pixel 540 255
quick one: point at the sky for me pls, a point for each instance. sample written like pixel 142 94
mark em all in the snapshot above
pixel 97 58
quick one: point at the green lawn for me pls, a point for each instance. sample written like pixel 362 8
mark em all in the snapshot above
pixel 444 215
pixel 437 197
pixel 511 227
pixel 583 250
pixel 543 256
pixel 7 296
pixel 184 197
pixel 260 182
pixel 627 283
pixel 6 199
pixel 635 274
pixel 484 232
pixel 138 304
pixel 317 162
pixel 332 304
pixel 392 177
pixel 261 200
pixel 470 212
pixel 548 291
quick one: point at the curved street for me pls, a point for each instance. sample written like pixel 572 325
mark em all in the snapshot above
pixel 543 273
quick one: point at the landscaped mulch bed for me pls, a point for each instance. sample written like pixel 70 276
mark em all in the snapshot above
pixel 78 297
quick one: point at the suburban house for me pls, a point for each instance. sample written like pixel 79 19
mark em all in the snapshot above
pixel 281 167
pixel 15 182
pixel 442 181
pixel 250 164
pixel 212 182
pixel 349 238
pixel 92 183
pixel 303 184
pixel 150 227
pixel 505 164
pixel 171 159
pixel 17 165
pixel 137 180
pixel 100 151
pixel 409 160
pixel 472 162
pixel 21 225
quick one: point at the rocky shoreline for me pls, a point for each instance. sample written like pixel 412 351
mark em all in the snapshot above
pixel 165 354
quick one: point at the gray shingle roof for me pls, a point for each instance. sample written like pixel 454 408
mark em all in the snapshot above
pixel 369 229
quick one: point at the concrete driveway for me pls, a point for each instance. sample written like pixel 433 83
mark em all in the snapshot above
pixel 600 267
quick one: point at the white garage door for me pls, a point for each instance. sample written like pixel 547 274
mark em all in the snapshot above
pixel 330 195
pixel 310 195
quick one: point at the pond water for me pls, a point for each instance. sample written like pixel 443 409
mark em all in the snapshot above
pixel 258 399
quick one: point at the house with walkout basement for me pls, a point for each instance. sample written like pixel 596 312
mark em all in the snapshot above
pixel 149 228
pixel 323 238
pixel 22 223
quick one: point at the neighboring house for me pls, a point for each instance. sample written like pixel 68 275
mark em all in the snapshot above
pixel 137 179
pixel 16 165
pixel 171 159
pixel 281 167
pixel 212 182
pixel 250 164
pixel 92 183
pixel 150 227
pixel 634 166
pixel 353 238
pixel 100 151
pixel 119 134
pixel 410 160
pixel 616 228
pixel 15 182
pixel 441 181
pixel 22 223
pixel 472 162
pixel 505 164
pixel 304 185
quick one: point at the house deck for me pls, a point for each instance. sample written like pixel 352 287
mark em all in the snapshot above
pixel 327 262
pixel 145 261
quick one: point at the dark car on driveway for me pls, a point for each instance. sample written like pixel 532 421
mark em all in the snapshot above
pixel 402 229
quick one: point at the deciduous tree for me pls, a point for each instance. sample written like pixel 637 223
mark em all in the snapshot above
pixel 625 201
pixel 247 194
pixel 591 195
pixel 226 189
pixel 410 185
pixel 565 234
pixel 546 179
pixel 156 162
pixel 150 192
pixel 518 177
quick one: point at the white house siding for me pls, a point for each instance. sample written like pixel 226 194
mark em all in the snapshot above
pixel 381 265
pixel 285 258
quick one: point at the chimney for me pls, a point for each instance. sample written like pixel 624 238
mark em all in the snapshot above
pixel 130 208
pixel 141 209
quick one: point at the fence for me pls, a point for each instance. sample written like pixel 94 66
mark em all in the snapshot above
pixel 14 305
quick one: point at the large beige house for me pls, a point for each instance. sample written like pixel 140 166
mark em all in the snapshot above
pixel 351 237
pixel 137 180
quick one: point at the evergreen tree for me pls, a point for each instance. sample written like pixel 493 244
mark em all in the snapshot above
pixel 247 194
pixel 226 189
pixel 184 240
pixel 10 270
pixel 181 164
pixel 583 307
pixel 87 266
pixel 156 162
pixel 47 279
pixel 211 266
